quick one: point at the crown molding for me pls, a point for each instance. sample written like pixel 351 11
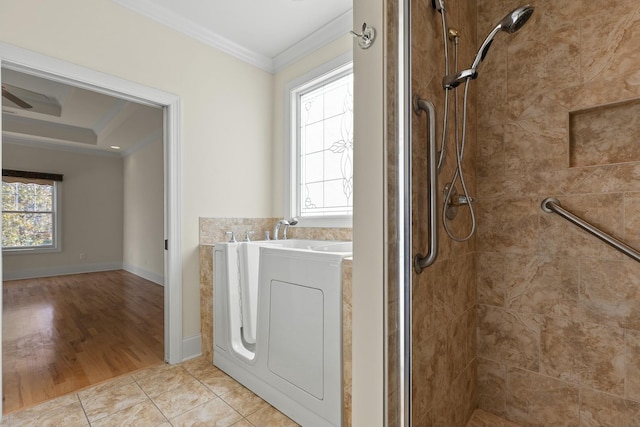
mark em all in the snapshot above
pixel 189 28
pixel 139 145
pixel 319 38
pixel 314 41
pixel 110 115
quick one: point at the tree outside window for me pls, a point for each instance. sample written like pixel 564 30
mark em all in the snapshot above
pixel 28 213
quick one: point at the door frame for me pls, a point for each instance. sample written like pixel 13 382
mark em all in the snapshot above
pixel 369 235
pixel 29 62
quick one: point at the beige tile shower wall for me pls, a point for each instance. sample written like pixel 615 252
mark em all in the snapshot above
pixel 206 300
pixel 444 295
pixel 347 377
pixel 212 230
pixel 605 134
pixel 558 322
pixel 393 362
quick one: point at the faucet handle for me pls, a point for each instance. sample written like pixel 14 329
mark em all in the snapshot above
pixel 232 239
pixel 247 234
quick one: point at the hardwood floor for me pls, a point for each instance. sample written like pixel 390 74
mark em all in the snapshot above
pixel 64 333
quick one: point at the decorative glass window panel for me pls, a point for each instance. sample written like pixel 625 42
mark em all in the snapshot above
pixel 28 213
pixel 325 147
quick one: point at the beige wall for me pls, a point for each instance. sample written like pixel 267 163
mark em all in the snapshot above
pixel 219 95
pixel 91 211
pixel 143 241
pixel 558 323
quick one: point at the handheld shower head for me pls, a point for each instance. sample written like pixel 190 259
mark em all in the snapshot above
pixel 511 23
pixel 516 19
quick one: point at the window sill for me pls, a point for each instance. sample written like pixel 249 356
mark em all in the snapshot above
pixel 322 222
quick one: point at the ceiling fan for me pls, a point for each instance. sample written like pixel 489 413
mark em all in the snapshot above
pixel 11 97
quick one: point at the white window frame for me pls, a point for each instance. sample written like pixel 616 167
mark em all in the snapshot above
pixel 56 246
pixel 291 167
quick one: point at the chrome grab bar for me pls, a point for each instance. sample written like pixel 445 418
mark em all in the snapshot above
pixel 420 262
pixel 551 204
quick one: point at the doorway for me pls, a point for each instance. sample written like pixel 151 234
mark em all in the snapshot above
pixel 27 62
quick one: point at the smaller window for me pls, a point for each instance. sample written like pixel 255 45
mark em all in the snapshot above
pixel 320 157
pixel 29 214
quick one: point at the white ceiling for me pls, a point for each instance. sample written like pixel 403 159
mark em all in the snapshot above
pixel 270 34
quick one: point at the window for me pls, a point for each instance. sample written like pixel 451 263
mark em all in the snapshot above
pixel 29 211
pixel 321 148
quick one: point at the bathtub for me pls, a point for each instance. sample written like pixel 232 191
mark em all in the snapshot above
pixel 278 323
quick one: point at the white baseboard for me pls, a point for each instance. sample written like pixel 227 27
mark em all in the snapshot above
pixel 33 273
pixel 145 274
pixel 191 347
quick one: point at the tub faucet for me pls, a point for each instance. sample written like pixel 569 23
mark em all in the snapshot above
pixel 292 221
pixel 276 230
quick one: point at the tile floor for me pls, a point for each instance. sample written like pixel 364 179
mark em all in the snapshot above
pixel 192 393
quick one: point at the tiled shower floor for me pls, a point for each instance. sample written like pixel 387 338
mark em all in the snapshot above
pixel 191 393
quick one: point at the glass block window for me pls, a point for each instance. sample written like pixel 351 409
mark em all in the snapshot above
pixel 324 146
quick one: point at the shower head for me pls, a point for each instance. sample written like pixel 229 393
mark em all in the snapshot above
pixel 511 23
pixel 516 19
